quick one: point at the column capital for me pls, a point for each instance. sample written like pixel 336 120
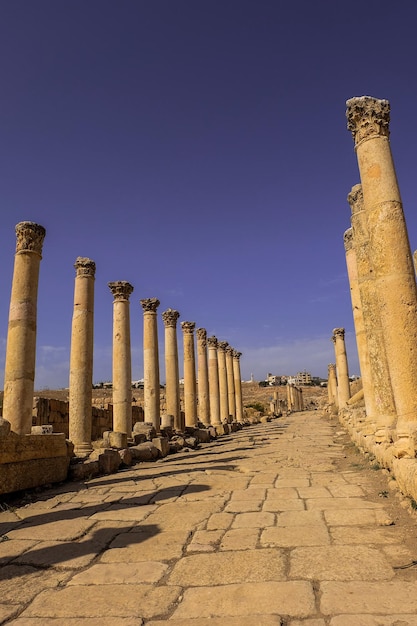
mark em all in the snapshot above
pixel 236 355
pixel 367 117
pixel 202 336
pixel 149 305
pixel 331 367
pixel 355 199
pixel 212 342
pixel 188 327
pixel 230 350
pixel 170 318
pixel 348 239
pixel 30 237
pixel 339 332
pixel 84 266
pixel 121 290
pixel 222 345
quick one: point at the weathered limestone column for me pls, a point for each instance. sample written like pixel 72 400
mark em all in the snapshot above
pixel 289 398
pixel 190 387
pixel 379 399
pixel 81 358
pixel 213 373
pixel 172 378
pixel 332 384
pixel 343 387
pixel 368 119
pixel 19 373
pixel 122 360
pixel 231 399
pixel 223 391
pixel 238 385
pixel 203 381
pixel 151 391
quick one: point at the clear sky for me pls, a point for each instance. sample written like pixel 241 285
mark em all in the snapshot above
pixel 197 149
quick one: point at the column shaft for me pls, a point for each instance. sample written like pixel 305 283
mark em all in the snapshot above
pixel 190 386
pixel 172 384
pixel 343 386
pixel 238 385
pixel 230 383
pixel 81 359
pixel 223 391
pixel 213 372
pixel 203 382
pixel 122 361
pixel 19 373
pixel 151 362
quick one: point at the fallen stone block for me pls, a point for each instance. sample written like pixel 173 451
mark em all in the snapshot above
pixel 144 452
pixel 126 457
pixel 117 440
pixel 146 428
pixel 4 427
pixel 201 434
pixel 108 460
pixel 162 443
pixel 84 470
pixel 138 438
pixel 191 442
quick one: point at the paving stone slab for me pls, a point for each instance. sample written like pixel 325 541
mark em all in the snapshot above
pixel 115 601
pixel 341 503
pixel 286 537
pixel 340 563
pixel 356 598
pixel 7 611
pixel 114 574
pixel 205 540
pixel 277 505
pixel 184 515
pixel 374 620
pixel 10 550
pixel 278 493
pixel 254 520
pixel 295 599
pixel 346 491
pixel 292 482
pixel 243 506
pixel 300 518
pixel 309 622
pixel 367 535
pixel 78 621
pixel 20 583
pixel 357 517
pixel 224 568
pixel 220 521
pixel 61 530
pixel 146 546
pixel 314 492
pixel 125 513
pixel 261 620
pixel 240 539
pixel 252 493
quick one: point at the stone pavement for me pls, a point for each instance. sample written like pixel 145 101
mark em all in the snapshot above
pixel 277 524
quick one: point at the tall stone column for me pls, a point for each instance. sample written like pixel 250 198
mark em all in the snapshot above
pixel 190 387
pixel 223 391
pixel 19 373
pixel 332 385
pixel 122 360
pixel 289 398
pixel 81 358
pixel 343 386
pixel 172 378
pixel 151 391
pixel 238 385
pixel 230 382
pixel 203 381
pixel 213 373
pixel 379 399
pixel 368 119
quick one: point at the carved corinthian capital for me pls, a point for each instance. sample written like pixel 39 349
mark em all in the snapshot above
pixel 149 305
pixel 201 336
pixel 339 332
pixel 229 350
pixel 222 345
pixel 331 367
pixel 30 237
pixel 367 117
pixel 212 342
pixel 188 327
pixel 355 199
pixel 170 317
pixel 84 267
pixel 348 239
pixel 121 290
pixel 236 355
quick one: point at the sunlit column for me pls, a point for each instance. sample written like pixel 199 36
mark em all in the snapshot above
pixel 213 373
pixel 238 385
pixel 172 384
pixel 81 359
pixel 190 387
pixel 224 401
pixel 151 362
pixel 203 381
pixel 343 386
pixel 19 373
pixel 230 383
pixel 122 360
pixel 392 264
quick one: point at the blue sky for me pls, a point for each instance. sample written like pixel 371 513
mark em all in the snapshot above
pixel 197 149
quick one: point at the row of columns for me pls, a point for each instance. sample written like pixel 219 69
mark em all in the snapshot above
pixel 215 396
pixel 295 400
pixel 382 283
